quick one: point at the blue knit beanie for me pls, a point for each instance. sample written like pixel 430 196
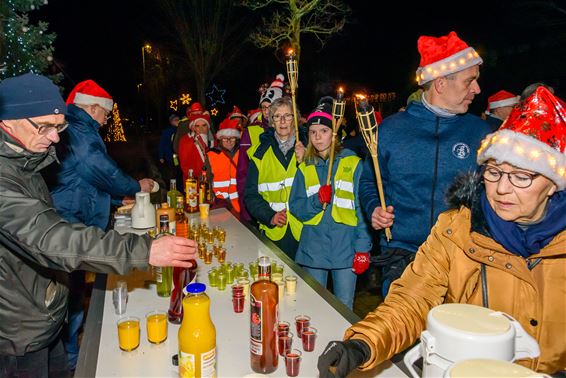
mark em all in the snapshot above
pixel 29 95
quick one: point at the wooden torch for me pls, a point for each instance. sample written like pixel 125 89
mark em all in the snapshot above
pixel 293 74
pixel 368 127
pixel 338 107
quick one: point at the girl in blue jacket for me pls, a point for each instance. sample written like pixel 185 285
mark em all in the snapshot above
pixel 335 240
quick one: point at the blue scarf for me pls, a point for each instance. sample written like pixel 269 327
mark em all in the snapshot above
pixel 530 241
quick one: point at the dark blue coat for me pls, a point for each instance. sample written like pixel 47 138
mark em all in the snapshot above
pixel 419 155
pixel 87 178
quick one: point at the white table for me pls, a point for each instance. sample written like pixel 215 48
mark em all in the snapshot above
pixel 105 359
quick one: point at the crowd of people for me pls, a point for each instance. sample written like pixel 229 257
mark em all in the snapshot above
pixel 473 203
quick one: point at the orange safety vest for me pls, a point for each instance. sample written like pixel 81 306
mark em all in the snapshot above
pixel 224 176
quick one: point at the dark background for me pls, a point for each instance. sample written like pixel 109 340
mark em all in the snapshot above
pixel 521 42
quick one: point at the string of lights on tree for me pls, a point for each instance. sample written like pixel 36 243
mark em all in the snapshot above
pixel 28 47
pixel 115 129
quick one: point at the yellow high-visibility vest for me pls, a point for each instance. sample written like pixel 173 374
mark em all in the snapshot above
pixel 274 185
pixel 343 201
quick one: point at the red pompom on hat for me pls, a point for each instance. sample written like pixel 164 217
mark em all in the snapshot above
pixel 441 56
pixel 501 99
pixel 533 137
pixel 89 93
pixel 228 129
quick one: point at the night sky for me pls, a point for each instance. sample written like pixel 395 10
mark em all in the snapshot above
pixel 376 52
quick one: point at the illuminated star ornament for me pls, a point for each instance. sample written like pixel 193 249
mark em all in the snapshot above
pixel 173 105
pixel 185 99
pixel 216 96
pixel 214 112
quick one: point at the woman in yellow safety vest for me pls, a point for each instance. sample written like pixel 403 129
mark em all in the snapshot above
pixel 334 240
pixel 272 168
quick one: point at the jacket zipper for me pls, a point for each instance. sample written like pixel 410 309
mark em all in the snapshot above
pixel 435 175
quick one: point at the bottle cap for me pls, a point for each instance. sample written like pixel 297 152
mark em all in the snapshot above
pixel 264 261
pixel 195 288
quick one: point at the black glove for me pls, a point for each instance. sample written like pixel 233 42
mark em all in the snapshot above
pixel 345 355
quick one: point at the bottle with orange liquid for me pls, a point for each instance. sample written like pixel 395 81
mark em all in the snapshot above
pixel 191 193
pixel 197 335
pixel 264 302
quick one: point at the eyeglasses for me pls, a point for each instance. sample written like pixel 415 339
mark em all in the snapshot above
pixel 287 117
pixel 45 129
pixel 516 178
pixel 265 107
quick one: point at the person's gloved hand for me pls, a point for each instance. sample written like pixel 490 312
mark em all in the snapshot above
pixel 361 262
pixel 324 194
pixel 344 355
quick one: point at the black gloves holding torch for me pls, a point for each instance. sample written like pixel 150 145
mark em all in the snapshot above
pixel 344 355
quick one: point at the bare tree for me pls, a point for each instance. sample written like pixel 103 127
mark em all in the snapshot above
pixel 291 18
pixel 208 34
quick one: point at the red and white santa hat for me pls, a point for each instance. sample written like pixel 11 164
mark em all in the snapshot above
pixel 196 108
pixel 228 129
pixel 236 113
pixel 89 93
pixel 533 137
pixel 196 112
pixel 443 56
pixel 501 99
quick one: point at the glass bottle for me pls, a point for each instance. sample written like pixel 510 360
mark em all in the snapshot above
pixel 172 194
pixel 264 302
pixel 163 274
pixel 191 193
pixel 181 221
pixel 181 278
pixel 165 209
pixel 203 187
pixel 197 335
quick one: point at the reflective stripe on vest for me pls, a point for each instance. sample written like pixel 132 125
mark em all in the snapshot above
pixel 343 199
pixel 274 186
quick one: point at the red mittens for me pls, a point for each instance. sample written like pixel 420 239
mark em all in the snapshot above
pixel 324 194
pixel 361 262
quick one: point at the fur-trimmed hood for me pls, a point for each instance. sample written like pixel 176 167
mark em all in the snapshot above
pixel 466 191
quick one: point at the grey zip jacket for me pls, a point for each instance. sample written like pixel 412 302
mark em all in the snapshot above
pixel 38 249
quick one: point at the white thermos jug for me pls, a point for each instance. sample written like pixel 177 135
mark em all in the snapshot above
pixel 459 331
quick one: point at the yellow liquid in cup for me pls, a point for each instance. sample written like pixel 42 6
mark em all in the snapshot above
pixel 129 334
pixel 156 328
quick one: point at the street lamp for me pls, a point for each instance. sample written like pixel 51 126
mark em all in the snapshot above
pixel 146 47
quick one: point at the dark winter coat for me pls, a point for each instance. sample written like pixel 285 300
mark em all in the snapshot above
pixel 38 248
pixel 88 178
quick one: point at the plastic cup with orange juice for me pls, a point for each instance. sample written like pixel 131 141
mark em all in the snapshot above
pixel 129 333
pixel 156 322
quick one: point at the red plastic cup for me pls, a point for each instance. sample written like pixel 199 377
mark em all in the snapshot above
pixel 238 303
pixel 302 321
pixel 237 290
pixel 309 338
pixel 283 326
pixel 293 363
pixel 285 341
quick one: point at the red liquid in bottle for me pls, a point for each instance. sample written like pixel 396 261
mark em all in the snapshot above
pixel 181 278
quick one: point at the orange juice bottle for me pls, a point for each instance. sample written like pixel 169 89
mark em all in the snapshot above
pixel 197 335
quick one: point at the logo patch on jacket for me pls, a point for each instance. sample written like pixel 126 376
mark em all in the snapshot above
pixel 461 150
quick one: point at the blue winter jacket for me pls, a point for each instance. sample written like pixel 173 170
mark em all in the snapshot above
pixel 327 245
pixel 419 155
pixel 166 144
pixel 87 177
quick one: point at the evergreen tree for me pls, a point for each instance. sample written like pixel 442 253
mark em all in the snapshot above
pixel 115 131
pixel 24 46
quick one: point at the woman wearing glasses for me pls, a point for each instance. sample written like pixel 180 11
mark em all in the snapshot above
pixel 502 246
pixel 271 172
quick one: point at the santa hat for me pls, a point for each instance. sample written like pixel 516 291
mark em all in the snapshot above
pixel 228 129
pixel 199 115
pixel 443 56
pixel 196 108
pixel 253 114
pixel 89 93
pixel 275 91
pixel 533 137
pixel 322 114
pixel 236 113
pixel 501 99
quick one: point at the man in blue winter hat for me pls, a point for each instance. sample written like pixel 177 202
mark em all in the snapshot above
pixel 38 248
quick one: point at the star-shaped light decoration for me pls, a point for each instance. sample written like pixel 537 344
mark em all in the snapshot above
pixel 173 104
pixel 185 99
pixel 216 96
pixel 214 112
